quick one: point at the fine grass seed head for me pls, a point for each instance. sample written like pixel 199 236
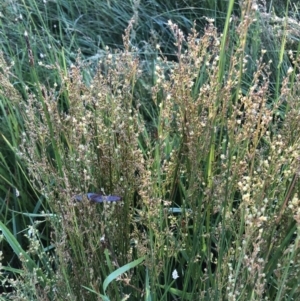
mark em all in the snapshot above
pixel 202 195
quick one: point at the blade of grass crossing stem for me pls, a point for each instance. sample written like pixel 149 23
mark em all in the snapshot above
pixel 104 298
pixel 114 275
pixel 111 270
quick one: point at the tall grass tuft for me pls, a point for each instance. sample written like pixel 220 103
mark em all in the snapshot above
pixel 203 153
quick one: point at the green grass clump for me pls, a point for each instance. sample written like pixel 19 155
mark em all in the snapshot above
pixel 202 146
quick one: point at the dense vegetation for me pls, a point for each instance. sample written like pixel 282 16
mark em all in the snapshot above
pixel 190 112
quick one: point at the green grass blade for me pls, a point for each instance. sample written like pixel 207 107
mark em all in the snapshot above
pixel 114 275
pixel 25 258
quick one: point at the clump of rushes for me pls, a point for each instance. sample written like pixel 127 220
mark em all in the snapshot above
pixel 83 138
pixel 210 198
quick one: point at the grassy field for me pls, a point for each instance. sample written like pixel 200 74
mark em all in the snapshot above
pixel 188 112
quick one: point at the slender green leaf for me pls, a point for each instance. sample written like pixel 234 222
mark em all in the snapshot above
pixel 114 275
